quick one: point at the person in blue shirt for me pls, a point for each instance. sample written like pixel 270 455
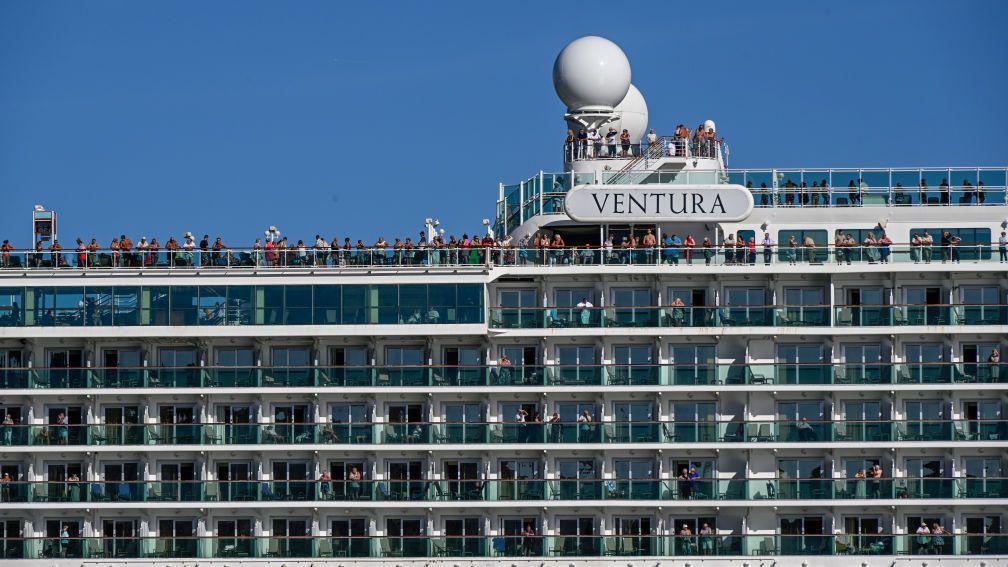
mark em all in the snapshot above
pixel 675 244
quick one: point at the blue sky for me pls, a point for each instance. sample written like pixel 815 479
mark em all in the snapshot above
pixel 361 119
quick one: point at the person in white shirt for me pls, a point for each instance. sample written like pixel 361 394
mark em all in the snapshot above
pixel 651 137
pixel 594 143
pixel 584 303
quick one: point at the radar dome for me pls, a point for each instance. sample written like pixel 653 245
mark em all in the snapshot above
pixel 709 125
pixel 633 114
pixel 591 73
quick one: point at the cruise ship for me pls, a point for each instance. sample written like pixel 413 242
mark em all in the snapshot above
pixel 652 358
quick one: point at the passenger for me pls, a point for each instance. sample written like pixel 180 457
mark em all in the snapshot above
pixel 688 245
pixel 926 246
pixel 582 139
pixel 915 248
pixel 625 143
pixel 611 138
pixel 884 244
pixel 594 143
pixel 768 245
pixel 729 249
pixel 651 137
pixel 792 251
pixel 751 251
pixel 810 249
pixel 708 250
pixel 1002 247
pixel 649 246
pixel 944 188
pixel 569 145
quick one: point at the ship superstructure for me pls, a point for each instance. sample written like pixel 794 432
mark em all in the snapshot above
pixel 827 392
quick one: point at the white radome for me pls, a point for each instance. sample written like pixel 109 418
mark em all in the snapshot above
pixel 633 115
pixel 709 125
pixel 591 73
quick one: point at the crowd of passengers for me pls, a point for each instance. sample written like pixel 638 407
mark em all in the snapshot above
pixel 792 194
pixel 591 144
pixel 536 248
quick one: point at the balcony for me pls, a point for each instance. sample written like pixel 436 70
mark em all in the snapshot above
pixel 517 546
pixel 440 433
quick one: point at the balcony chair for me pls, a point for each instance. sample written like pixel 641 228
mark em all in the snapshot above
pixel 267 491
pixel 438 548
pixel 325 547
pixel 161 547
pixel 559 545
pixel 385 549
pixel 210 491
pixel 845 317
pixel 272 547
pixel 154 435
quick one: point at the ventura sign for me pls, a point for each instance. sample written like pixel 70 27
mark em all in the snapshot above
pixel 658 202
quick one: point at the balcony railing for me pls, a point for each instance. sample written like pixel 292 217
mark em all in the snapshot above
pixel 679 257
pixel 492 433
pixel 745 316
pixel 572 545
pixel 428 376
pixel 498 490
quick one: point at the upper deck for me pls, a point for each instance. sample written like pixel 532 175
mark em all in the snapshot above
pixel 790 188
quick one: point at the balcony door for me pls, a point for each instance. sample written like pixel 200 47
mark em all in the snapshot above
pixel 803 535
pixel 635 535
pixel 234 481
pixel 121 538
pixel 178 482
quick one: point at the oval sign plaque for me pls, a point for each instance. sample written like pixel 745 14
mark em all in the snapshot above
pixel 658 202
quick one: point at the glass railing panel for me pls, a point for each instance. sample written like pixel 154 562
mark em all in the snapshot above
pixel 61 378
pixel 802 316
pixel 354 376
pixel 346 433
pixel 704 489
pixel 804 431
pixel 631 432
pixel 633 374
pixel 232 490
pixel 982 488
pixel 189 377
pixel 17 491
pixel 517 546
pixel 980 314
pixel 981 372
pixel 913 430
pixel 924 487
pixel 573 489
pixel 574 546
pixel 523 375
pixel 234 547
pixel 407 546
pixel 516 318
pixel 805 544
pixel 459 375
pixel 459 490
pixel 923 373
pixel 689 317
pixel 851 430
pixel 694 374
pixel 632 545
pixel 14 549
pixel 408 433
pixel 572 317
pixel 118 378
pixel 288 376
pixel 239 377
pixel 626 489
pixel 565 432
pixel 175 434
pixel 694 431
pixel 922 315
pixel 288 433
pixel 517 489
pixel 402 376
pixel 231 433
pixel 981 430
pixel 862 373
pixel 785 373
pixel 862 315
pixel 746 316
pixel 73 434
pixel 175 491
pixel 11 378
pixel 861 488
pixel 623 317
pixel 459 546
pixel 300 546
pixel 574 375
pixel 518 432
pixel 461 433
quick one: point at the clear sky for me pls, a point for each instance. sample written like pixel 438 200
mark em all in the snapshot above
pixel 363 118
